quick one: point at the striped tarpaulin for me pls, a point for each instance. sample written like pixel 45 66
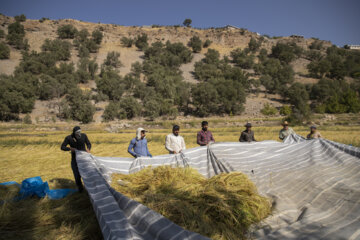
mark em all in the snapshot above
pixel 314 185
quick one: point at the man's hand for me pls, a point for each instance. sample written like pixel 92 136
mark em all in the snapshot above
pixel 87 150
pixel 72 149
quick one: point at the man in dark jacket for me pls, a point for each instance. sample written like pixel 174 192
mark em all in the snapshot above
pixel 247 135
pixel 76 141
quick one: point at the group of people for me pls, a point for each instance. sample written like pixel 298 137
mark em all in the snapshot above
pixel 174 143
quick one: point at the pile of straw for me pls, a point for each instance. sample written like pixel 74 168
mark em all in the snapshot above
pixel 222 207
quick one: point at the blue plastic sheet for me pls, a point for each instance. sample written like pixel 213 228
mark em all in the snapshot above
pixel 36 187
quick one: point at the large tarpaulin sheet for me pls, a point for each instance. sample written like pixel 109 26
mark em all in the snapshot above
pixel 314 184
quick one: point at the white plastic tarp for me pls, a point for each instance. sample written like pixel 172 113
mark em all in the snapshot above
pixel 314 184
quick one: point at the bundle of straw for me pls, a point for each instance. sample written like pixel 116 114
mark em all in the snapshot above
pixel 222 207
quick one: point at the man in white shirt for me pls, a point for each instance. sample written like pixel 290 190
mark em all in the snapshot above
pixel 175 143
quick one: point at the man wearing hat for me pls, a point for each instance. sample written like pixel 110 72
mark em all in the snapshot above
pixel 286 131
pixel 248 134
pixel 314 133
pixel 175 143
pixel 138 145
pixel 76 141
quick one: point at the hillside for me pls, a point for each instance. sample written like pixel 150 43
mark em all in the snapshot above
pixel 224 40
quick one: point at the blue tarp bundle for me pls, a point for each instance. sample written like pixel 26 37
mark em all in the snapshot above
pixel 36 187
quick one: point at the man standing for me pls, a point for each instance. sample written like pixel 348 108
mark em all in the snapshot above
pixel 76 141
pixel 204 137
pixel 175 143
pixel 138 145
pixel 286 131
pixel 247 135
pixel 313 133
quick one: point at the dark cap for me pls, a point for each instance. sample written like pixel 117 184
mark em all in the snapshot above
pixel 248 125
pixel 203 123
pixel 313 126
pixel 176 127
pixel 76 128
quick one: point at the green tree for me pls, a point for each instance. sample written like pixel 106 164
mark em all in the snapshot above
pixel 112 59
pixel 77 106
pixel 67 31
pixel 4 51
pixel 130 106
pixel 187 22
pixel 97 36
pixel 16 34
pixel 286 52
pixel 195 43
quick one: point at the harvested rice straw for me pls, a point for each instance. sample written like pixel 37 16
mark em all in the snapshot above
pixel 222 207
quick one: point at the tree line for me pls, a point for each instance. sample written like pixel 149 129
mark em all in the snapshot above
pixel 156 87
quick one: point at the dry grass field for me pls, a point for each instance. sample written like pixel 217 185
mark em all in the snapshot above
pixel 30 150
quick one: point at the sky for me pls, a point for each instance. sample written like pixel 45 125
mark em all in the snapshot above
pixel 337 21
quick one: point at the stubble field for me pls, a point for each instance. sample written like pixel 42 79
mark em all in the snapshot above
pixel 29 150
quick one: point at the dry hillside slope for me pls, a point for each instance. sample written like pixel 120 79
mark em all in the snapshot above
pixel 223 39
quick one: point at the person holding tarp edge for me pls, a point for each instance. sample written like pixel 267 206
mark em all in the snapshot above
pixel 204 137
pixel 247 135
pixel 285 131
pixel 76 141
pixel 138 145
pixel 175 143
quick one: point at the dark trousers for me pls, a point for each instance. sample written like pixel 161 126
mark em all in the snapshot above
pixel 76 174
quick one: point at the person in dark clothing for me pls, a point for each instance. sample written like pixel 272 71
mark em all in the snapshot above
pixel 247 135
pixel 76 141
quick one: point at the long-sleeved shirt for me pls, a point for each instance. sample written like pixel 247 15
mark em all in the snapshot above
pixel 285 132
pixel 140 148
pixel 314 135
pixel 78 144
pixel 247 136
pixel 174 143
pixel 204 137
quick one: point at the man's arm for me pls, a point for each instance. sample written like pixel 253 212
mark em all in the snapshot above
pixel 211 137
pixel 253 137
pixel 167 144
pixel 281 136
pixel 241 139
pixel 198 139
pixel 131 146
pixel 147 151
pixel 183 147
pixel 64 146
pixel 88 144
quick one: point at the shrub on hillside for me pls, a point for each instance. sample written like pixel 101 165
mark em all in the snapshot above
pixel 27 119
pixel 286 52
pixel 268 110
pixel 2 33
pixel 207 43
pixel 112 59
pixel 4 51
pixel 285 110
pixel 141 42
pixel 15 37
pixel 242 58
pixel 97 36
pixel 20 18
pixel 59 48
pixel 66 31
pixel 254 45
pixel 127 42
pixel 195 43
